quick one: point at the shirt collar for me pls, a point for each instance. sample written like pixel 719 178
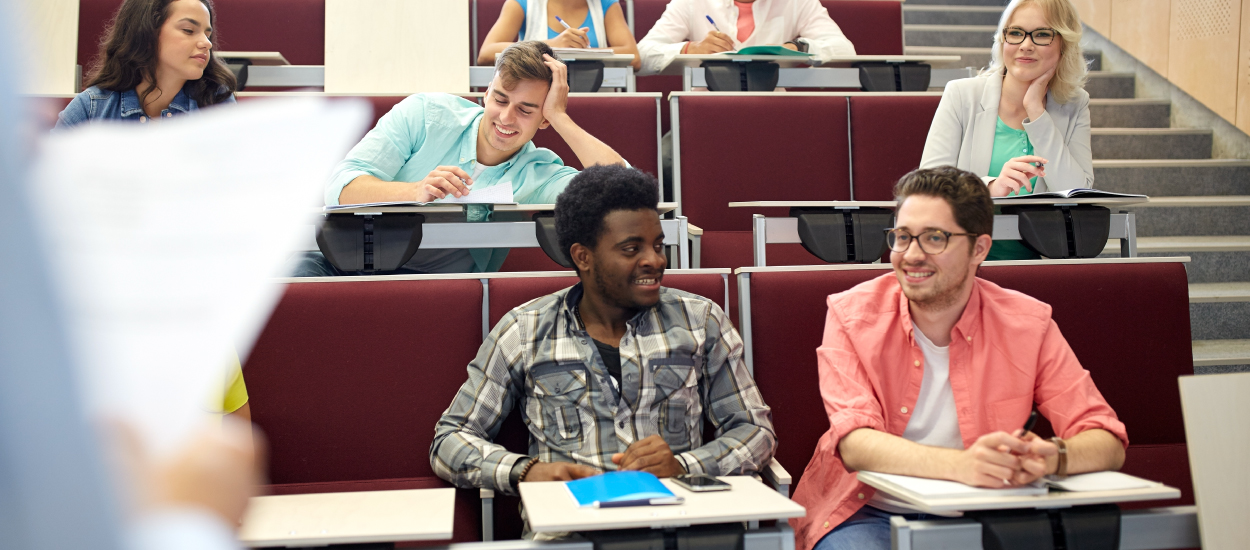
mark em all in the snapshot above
pixel 468 147
pixel 131 106
pixel 969 322
pixel 574 297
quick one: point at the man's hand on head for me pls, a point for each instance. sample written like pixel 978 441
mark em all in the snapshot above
pixel 559 471
pixel 557 102
pixel 651 454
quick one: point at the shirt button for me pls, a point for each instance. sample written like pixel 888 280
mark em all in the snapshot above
pixel 825 526
pixel 904 409
pixel 630 377
pixel 581 340
pixel 167 115
pixel 143 119
pixel 621 424
pixel 969 338
pixel 917 363
pixel 861 496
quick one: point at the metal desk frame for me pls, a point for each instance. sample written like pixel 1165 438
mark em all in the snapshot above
pixel 1154 528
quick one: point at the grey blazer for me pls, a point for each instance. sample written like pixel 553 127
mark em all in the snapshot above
pixel 962 134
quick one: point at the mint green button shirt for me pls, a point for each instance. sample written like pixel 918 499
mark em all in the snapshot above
pixel 1010 143
pixel 425 131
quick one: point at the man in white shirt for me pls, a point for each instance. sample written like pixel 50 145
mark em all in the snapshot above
pixel 802 25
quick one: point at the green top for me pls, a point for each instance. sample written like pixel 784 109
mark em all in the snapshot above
pixel 1010 143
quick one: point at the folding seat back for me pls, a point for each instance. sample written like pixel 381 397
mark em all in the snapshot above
pixel 1128 323
pixel 646 14
pixel 629 123
pixel 888 133
pixel 484 14
pixel 1135 370
pixel 94 17
pixel 874 27
pixel 349 377
pixel 787 321
pixel 757 146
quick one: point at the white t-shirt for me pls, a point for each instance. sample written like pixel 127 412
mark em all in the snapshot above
pixel 934 421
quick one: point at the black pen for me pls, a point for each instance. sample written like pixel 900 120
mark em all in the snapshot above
pixel 1028 424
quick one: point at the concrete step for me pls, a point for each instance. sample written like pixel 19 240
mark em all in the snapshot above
pixel 1191 216
pixel 1130 113
pixel 1211 356
pixel 951 36
pixel 1109 85
pixel 1205 293
pixel 1219 320
pixel 1150 143
pixel 957 3
pixel 969 57
pixel 951 15
pixel 1174 177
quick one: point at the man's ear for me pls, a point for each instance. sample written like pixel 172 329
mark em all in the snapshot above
pixel 582 256
pixel 544 124
pixel 982 248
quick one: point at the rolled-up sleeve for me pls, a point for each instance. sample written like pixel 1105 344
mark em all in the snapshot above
pixel 664 42
pixel 384 150
pixel 845 386
pixel 1066 394
pixel 745 439
pixel 463 451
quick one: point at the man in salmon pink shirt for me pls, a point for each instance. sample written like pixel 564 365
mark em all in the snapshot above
pixel 930 371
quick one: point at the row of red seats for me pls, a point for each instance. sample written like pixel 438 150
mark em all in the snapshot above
pixel 348 392
pixel 297 27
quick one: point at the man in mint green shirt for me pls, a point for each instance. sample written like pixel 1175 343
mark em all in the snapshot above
pixel 432 146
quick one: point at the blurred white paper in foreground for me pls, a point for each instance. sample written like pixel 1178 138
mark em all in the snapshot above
pixel 162 238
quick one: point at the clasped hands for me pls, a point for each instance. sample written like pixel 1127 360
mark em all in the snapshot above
pixel 1001 459
pixel 651 454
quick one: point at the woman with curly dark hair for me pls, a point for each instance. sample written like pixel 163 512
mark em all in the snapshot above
pixel 156 62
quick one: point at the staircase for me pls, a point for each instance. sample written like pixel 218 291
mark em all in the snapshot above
pixel 1200 206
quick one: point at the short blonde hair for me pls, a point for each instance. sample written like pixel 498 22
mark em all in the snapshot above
pixel 1072 71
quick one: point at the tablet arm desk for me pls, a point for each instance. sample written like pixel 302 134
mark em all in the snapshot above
pixel 853 231
pixel 382 238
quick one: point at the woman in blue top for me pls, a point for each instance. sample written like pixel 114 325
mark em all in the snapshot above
pixel 155 62
pixel 592 24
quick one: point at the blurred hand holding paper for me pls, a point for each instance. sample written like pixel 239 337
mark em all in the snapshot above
pixel 162 238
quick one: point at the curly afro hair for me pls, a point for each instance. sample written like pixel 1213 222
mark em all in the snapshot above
pixel 593 194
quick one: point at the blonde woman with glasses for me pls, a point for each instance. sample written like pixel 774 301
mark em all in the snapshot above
pixel 1023 123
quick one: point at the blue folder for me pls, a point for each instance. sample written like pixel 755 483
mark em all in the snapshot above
pixel 614 489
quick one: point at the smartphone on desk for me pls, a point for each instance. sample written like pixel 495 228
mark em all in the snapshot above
pixel 701 483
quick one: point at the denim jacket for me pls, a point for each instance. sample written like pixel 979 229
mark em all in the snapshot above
pixel 97 104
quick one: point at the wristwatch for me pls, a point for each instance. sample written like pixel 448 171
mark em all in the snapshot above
pixel 799 45
pixel 1061 468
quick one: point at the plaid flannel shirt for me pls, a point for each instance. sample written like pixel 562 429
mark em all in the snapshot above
pixel 679 360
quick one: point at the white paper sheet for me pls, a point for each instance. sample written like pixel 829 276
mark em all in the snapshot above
pixel 937 488
pixel 499 193
pixel 1101 481
pixel 163 237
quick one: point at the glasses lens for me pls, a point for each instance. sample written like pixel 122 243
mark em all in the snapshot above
pixel 897 240
pixel 1043 38
pixel 1014 36
pixel 933 242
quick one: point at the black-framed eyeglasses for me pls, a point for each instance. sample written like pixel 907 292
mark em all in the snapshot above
pixel 933 241
pixel 1042 37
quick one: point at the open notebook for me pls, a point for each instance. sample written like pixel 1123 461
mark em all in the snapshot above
pixel 914 489
pixel 1078 193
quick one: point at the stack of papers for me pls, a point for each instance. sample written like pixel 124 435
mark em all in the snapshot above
pixel 621 489
pixel 916 489
pixel 583 52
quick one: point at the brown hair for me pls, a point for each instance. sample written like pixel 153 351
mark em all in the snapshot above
pixel 966 194
pixel 523 61
pixel 129 54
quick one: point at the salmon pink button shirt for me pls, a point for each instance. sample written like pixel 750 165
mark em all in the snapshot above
pixel 1005 355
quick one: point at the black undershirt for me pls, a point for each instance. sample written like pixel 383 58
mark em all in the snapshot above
pixel 611 359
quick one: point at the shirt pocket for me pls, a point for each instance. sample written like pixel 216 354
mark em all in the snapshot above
pixel 558 403
pixel 676 399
